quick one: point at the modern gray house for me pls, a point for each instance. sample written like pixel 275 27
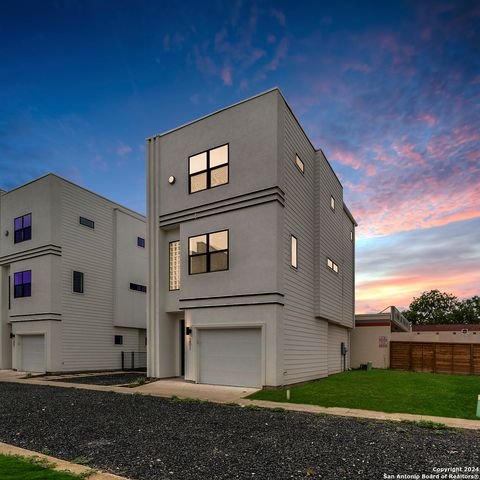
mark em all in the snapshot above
pixel 73 271
pixel 251 251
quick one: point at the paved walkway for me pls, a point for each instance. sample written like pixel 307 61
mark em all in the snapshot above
pixel 57 464
pixel 223 394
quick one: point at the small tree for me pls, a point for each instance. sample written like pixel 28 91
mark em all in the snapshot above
pixel 432 307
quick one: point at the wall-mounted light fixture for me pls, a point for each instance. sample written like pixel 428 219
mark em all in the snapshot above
pixel 12 335
pixel 188 330
pixel 171 179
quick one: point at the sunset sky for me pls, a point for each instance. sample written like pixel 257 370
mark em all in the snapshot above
pixel 389 90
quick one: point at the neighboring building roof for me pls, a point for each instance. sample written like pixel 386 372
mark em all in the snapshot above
pixel 393 317
pixel 129 210
pixel 446 327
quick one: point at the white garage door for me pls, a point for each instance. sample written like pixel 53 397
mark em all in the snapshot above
pixel 231 356
pixel 33 353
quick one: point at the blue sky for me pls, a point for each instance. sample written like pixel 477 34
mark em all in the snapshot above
pixel 389 90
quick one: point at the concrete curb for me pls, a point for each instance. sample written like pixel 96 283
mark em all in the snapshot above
pixel 57 464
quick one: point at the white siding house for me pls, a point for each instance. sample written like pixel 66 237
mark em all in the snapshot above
pixel 263 263
pixel 67 259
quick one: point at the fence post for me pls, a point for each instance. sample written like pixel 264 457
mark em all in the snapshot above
pixel 133 360
pixel 123 362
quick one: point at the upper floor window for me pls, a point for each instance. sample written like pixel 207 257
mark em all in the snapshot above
pixel 140 242
pixel 332 203
pixel 299 164
pixel 78 282
pixel 22 284
pixel 208 253
pixel 174 265
pixel 293 252
pixel 208 169
pixel 118 339
pixel 138 288
pixel 351 235
pixel 87 223
pixel 23 228
pixel 332 265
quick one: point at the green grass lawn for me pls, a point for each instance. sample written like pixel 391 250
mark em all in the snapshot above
pixel 389 391
pixel 17 468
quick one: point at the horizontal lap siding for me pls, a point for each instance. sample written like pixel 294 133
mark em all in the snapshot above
pixel 87 320
pixel 305 337
pixel 337 335
pixel 329 237
pixel 348 272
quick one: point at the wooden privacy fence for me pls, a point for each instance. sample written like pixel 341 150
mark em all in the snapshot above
pixel 458 358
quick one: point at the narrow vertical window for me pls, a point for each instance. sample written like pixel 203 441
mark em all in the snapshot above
pixel 22 228
pixel 294 252
pixel 22 284
pixel 299 164
pixel 174 265
pixel 332 203
pixel 140 242
pixel 351 235
pixel 77 282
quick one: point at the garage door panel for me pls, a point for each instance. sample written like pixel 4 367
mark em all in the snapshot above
pixel 231 356
pixel 33 353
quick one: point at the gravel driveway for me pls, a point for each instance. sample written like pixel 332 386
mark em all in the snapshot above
pixel 106 379
pixel 153 438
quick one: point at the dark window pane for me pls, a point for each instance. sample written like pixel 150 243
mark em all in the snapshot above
pixel 218 241
pixel 118 339
pixel 17 292
pixel 18 278
pixel 141 242
pixel 218 261
pixel 18 223
pixel 87 223
pixel 219 176
pixel 18 236
pixel 27 290
pixel 198 264
pixel 27 276
pixel 78 282
pixel 27 233
pixel 27 220
pixel 198 182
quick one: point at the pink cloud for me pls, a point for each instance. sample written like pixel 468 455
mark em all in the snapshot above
pixel 407 151
pixel 427 118
pixel 351 160
pixel 226 75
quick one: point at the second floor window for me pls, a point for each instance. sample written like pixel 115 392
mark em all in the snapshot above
pixel 22 284
pixel 208 169
pixel 208 253
pixel 23 228
pixel 140 242
pixel 86 222
pixel 332 265
pixel 78 282
pixel 174 265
